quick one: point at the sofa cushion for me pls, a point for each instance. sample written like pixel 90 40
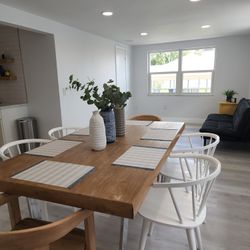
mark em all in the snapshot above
pixel 224 129
pixel 239 112
pixel 220 117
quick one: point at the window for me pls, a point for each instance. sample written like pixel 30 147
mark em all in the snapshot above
pixel 182 72
pixel 163 71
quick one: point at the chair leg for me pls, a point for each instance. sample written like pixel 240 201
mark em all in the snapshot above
pixel 191 239
pixel 144 233
pixel 158 179
pixel 151 229
pixel 198 238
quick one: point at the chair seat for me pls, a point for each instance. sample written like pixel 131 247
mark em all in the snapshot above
pixel 172 169
pixel 73 240
pixel 158 207
pixel 220 117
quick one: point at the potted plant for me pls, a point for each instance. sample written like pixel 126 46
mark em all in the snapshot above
pixel 119 101
pixel 229 94
pixel 91 95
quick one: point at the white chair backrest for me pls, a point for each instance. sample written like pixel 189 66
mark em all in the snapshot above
pixel 194 143
pixel 208 168
pixel 12 149
pixel 56 133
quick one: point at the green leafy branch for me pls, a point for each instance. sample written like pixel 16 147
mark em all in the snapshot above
pixel 110 97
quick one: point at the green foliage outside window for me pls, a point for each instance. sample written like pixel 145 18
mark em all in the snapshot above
pixel 163 57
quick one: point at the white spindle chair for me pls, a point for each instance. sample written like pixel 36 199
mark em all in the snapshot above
pixel 56 133
pixel 199 143
pixel 11 149
pixel 172 205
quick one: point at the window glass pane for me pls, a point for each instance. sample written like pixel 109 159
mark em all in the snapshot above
pixel 199 59
pixel 197 82
pixel 163 83
pixel 164 61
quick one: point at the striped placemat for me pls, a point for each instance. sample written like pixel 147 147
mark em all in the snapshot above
pixel 53 148
pixel 141 157
pixel 153 144
pixel 160 134
pixel 139 123
pixel 54 173
pixel 166 125
pixel 82 131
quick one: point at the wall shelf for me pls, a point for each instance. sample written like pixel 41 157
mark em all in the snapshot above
pixel 11 77
pixel 7 60
pixel 8 78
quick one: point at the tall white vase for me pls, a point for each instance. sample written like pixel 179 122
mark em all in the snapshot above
pixel 97 132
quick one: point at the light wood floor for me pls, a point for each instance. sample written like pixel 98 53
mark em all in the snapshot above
pixel 228 218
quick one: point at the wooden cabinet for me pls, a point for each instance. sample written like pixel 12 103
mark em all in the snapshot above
pixel 227 108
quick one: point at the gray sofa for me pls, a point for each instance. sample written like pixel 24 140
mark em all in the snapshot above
pixel 234 127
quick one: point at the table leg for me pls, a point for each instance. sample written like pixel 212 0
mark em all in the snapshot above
pixel 90 237
pixel 123 234
pixel 14 211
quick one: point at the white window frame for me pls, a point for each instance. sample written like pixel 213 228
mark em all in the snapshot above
pixel 179 73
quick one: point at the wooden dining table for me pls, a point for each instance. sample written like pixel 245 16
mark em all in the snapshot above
pixel 107 189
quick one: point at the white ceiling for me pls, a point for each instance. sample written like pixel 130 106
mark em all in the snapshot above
pixel 164 20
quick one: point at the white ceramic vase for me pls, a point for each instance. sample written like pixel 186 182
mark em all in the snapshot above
pixel 97 132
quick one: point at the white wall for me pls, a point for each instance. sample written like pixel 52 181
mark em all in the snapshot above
pixel 249 90
pixel 39 63
pixel 249 87
pixel 87 56
pixel 231 72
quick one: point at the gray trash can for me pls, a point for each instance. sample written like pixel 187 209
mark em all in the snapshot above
pixel 27 129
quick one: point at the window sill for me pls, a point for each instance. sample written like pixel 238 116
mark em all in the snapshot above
pixel 187 94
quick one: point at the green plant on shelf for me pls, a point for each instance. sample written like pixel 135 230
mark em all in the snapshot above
pixel 229 93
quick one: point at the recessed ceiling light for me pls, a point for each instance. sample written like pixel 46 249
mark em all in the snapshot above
pixel 107 13
pixel 206 26
pixel 143 33
pixel 194 0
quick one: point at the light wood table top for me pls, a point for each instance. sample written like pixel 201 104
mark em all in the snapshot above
pixel 108 189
